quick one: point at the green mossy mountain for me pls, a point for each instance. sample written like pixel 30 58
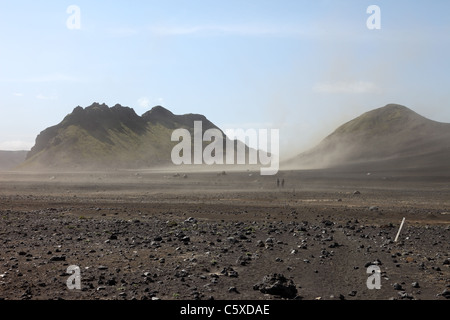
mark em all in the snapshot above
pixel 391 136
pixel 100 137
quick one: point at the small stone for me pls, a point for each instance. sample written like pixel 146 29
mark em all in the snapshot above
pixel 397 286
pixel 190 220
pixel 181 274
pixel 446 294
pixel 232 289
pixel 58 258
pixel 278 285
pixel 232 240
pixel 404 295
pixel 243 260
pixel 352 294
pixel 269 240
pixel 415 285
pixel 102 268
pixel 373 263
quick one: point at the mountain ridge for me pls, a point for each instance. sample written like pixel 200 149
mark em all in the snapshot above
pixel 110 137
pixel 385 134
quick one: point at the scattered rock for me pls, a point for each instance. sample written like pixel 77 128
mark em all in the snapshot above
pixel 185 239
pixel 181 274
pixel 232 240
pixel 446 294
pixel 278 285
pixel 328 223
pixel 190 220
pixel 373 263
pixel 397 286
pixel 403 295
pixel 58 258
pixel 233 289
pixel 229 272
pixel 243 260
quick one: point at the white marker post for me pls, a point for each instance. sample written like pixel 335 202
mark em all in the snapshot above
pixel 400 229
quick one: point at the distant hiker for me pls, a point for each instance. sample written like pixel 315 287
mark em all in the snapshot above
pixel 282 183
pixel 278 183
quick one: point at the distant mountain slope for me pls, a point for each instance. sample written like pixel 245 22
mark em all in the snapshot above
pixel 11 159
pixel 99 137
pixel 393 135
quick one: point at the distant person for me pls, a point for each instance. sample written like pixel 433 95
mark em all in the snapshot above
pixel 278 183
pixel 282 183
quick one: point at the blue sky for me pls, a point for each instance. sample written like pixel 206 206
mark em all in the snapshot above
pixel 303 67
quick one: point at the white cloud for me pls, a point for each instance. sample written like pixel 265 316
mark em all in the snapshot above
pixel 346 87
pixel 16 145
pixel 144 102
pixel 147 103
pixel 18 94
pixel 238 30
pixel 40 96
pixel 255 29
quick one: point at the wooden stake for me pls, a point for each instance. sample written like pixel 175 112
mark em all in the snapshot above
pixel 400 229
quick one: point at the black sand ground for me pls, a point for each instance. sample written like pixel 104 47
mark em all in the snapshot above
pixel 156 235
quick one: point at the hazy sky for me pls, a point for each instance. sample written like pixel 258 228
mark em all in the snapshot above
pixel 303 67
